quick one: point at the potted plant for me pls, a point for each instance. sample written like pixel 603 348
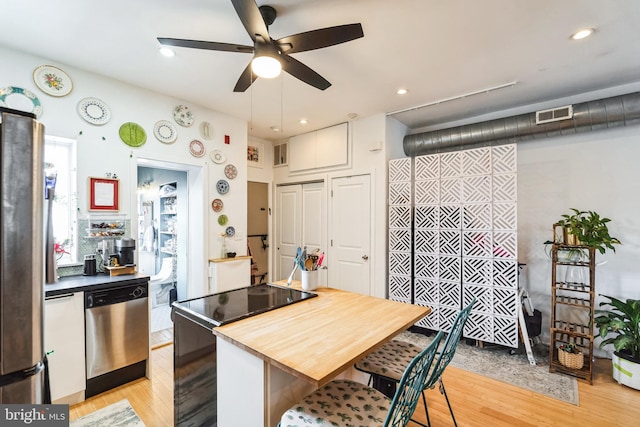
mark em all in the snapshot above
pixel 623 321
pixel 588 228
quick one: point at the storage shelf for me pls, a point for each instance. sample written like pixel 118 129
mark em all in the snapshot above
pixel 572 295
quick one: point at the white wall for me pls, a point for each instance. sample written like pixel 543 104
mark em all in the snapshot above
pixel 100 149
pixel 592 171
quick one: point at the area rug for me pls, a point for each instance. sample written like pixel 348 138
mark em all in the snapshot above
pixel 498 363
pixel 119 414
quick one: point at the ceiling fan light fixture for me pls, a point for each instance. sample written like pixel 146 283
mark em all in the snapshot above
pixel 165 51
pixel 584 33
pixel 266 66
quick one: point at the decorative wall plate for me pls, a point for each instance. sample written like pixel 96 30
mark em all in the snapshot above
pixel 7 92
pixel 230 231
pixel 165 132
pixel 217 205
pixel 132 134
pixel 217 156
pixel 230 171
pixel 196 148
pixel 223 219
pixel 94 111
pixel 52 80
pixel 205 130
pixel 183 116
pixel 222 186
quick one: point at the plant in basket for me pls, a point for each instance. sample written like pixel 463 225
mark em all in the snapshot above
pixel 571 356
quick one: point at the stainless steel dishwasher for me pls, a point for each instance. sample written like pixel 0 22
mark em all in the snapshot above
pixel 117 336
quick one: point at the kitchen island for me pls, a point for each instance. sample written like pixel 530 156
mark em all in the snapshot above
pixel 247 373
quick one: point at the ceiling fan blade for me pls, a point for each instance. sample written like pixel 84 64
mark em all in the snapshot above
pixel 199 44
pixel 318 39
pixel 246 79
pixel 251 18
pixel 300 71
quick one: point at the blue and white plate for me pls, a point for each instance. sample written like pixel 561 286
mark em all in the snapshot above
pixel 94 111
pixel 222 186
pixel 165 132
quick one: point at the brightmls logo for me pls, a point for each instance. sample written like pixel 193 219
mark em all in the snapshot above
pixel 34 415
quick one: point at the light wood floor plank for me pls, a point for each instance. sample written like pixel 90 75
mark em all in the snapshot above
pixel 476 400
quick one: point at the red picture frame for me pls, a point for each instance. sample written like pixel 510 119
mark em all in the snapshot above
pixel 104 194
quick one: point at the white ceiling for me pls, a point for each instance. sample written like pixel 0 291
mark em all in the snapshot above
pixel 437 49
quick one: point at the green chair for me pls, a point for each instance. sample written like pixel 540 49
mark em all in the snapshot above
pixel 349 403
pixel 386 362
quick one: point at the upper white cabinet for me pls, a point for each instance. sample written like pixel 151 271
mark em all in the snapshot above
pixel 319 149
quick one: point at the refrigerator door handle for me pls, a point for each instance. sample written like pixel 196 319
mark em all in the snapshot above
pixel 15 377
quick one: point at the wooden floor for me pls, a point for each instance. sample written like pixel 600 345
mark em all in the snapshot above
pixel 477 400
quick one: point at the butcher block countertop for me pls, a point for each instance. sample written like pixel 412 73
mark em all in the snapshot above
pixel 318 338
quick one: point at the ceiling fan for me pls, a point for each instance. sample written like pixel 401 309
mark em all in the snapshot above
pixel 276 52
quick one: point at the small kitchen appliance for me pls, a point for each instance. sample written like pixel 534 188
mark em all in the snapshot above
pixel 124 250
pixel 90 265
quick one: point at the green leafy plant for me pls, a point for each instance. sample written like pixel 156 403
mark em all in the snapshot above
pixel 570 348
pixel 590 229
pixel 622 320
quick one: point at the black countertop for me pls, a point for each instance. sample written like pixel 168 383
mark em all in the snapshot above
pixel 70 284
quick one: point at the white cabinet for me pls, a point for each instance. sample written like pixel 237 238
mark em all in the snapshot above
pixel 64 345
pixel 320 149
pixel 226 274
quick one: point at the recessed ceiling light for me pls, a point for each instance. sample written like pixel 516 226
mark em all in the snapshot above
pixel 165 51
pixel 582 34
pixel 303 121
pixel 275 128
pixel 402 91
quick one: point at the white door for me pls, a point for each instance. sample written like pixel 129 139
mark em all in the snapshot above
pixel 314 222
pixel 301 220
pixel 288 228
pixel 351 234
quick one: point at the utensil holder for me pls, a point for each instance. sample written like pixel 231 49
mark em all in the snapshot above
pixel 309 280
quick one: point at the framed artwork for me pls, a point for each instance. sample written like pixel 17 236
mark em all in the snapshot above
pixel 255 154
pixel 103 194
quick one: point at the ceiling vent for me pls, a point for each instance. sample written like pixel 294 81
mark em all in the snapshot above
pixel 554 114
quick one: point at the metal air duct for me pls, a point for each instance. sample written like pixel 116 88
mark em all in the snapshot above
pixel 623 110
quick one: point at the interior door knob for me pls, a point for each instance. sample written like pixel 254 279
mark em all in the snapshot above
pixel 365 257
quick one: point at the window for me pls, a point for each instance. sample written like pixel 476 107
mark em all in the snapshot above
pixel 60 158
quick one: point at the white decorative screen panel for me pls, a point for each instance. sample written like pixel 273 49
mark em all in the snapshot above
pixel 400 230
pixel 464 239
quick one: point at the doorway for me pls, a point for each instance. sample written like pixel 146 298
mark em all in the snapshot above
pixel 258 230
pixel 162 230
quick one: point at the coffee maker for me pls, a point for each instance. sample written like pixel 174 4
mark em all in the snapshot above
pixel 124 249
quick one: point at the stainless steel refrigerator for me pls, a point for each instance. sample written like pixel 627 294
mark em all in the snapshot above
pixel 23 376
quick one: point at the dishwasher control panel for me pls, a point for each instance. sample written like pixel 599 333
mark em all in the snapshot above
pixel 117 295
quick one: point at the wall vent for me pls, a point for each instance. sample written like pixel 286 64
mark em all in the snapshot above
pixel 554 114
pixel 280 154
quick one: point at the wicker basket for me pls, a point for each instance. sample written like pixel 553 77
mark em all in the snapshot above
pixel 571 360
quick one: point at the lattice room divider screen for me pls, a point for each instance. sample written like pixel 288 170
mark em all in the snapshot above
pixel 453 237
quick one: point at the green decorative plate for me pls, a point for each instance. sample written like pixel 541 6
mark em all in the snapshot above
pixel 132 134
pixel 223 219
